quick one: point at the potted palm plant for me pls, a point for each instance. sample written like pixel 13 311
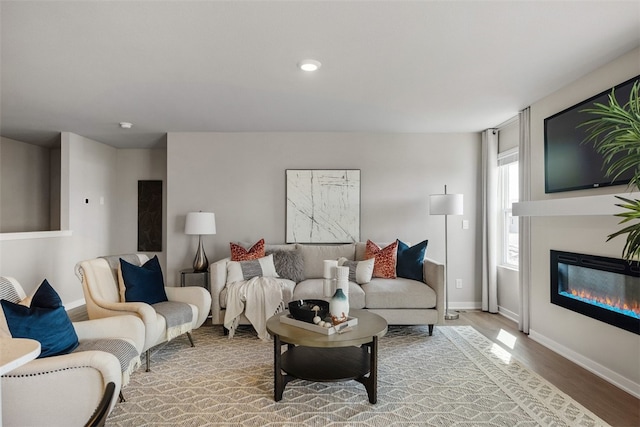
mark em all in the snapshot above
pixel 615 133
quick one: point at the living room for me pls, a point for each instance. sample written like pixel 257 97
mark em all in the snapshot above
pixel 240 175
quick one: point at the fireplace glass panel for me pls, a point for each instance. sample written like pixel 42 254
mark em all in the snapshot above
pixel 606 289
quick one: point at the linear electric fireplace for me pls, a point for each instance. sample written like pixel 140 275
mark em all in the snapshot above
pixel 606 289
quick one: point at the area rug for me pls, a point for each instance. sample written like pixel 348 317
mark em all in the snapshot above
pixel 456 377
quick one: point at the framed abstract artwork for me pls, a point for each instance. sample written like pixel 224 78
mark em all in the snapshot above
pixel 323 205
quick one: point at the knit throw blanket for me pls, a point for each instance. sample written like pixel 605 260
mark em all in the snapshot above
pixel 123 350
pixel 178 315
pixel 259 298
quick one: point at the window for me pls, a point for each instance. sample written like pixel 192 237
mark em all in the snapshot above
pixel 508 194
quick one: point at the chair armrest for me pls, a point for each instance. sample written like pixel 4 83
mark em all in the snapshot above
pixel 195 295
pixel 127 327
pixel 217 282
pixel 433 273
pixel 66 389
pixel 140 309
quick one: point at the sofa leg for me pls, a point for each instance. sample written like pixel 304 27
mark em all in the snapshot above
pixel 148 357
pixel 225 331
pixel 190 339
pixel 430 330
pixel 121 397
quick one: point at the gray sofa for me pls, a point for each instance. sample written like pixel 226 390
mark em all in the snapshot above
pixel 400 301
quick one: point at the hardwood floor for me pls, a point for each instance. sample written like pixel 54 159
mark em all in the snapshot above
pixel 613 405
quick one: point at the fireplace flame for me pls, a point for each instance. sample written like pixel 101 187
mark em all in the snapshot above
pixel 615 304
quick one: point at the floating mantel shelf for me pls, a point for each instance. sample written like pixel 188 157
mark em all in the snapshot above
pixel 573 206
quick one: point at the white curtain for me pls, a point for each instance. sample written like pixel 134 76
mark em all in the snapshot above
pixel 489 220
pixel 524 251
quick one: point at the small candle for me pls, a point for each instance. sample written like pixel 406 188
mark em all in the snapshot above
pixel 327 288
pixel 329 264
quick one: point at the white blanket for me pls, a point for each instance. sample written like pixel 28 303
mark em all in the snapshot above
pixel 259 298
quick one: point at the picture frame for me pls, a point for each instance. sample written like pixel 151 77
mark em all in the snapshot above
pixel 323 205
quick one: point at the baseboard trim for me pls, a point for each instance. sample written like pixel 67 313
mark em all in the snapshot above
pixel 590 365
pixel 470 305
pixel 74 304
pixel 514 317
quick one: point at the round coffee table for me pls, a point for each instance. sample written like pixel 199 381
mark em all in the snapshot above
pixel 313 356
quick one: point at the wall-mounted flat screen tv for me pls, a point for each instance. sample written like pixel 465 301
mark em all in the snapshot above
pixel 570 164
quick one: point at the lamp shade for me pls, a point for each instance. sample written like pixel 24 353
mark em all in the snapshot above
pixel 200 223
pixel 445 204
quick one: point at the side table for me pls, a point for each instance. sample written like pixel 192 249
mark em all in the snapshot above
pixel 194 278
pixel 15 352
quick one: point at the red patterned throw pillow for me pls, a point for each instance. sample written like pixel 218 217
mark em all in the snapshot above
pixel 385 259
pixel 238 253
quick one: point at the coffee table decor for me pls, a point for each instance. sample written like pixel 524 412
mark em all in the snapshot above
pixel 313 315
pixel 327 329
pixel 307 309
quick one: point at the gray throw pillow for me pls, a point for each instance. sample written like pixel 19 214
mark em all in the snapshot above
pixel 289 264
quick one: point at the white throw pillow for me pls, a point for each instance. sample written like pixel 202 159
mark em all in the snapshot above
pixel 237 271
pixel 359 271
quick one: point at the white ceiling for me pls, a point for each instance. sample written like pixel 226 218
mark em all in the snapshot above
pixel 230 66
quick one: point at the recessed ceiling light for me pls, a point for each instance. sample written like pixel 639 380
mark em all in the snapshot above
pixel 309 65
pixel 126 125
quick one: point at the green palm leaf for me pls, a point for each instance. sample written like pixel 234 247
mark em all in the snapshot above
pixel 615 133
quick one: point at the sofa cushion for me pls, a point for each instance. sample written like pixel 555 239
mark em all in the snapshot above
pixel 411 260
pixel 398 293
pixel 359 271
pixel 385 264
pixel 289 264
pixel 239 253
pixel 314 256
pixel 286 285
pixel 237 271
pixel 314 289
pixel 45 321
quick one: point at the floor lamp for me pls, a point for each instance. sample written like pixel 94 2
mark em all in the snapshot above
pixel 446 204
pixel 200 223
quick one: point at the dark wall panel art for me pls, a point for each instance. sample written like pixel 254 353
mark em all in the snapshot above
pixel 149 216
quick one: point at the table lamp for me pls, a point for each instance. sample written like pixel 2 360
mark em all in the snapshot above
pixel 200 223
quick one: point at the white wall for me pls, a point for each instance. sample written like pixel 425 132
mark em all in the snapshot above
pixel 607 350
pixel 107 224
pixel 25 191
pixel 88 173
pixel 241 177
pixel 132 166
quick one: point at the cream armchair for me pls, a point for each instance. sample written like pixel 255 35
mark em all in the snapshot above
pixel 99 279
pixel 65 390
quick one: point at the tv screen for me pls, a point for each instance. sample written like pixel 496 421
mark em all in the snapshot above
pixel 571 164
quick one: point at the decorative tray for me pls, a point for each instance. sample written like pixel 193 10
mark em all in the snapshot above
pixel 286 318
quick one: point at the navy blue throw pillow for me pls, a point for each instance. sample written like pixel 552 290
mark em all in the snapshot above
pixel 45 321
pixel 145 283
pixel 411 260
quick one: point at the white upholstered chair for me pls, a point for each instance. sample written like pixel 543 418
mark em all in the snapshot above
pixel 99 277
pixel 65 390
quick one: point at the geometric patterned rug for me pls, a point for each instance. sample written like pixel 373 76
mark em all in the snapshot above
pixel 457 377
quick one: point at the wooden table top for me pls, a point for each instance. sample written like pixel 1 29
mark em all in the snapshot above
pixel 369 325
pixel 15 352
